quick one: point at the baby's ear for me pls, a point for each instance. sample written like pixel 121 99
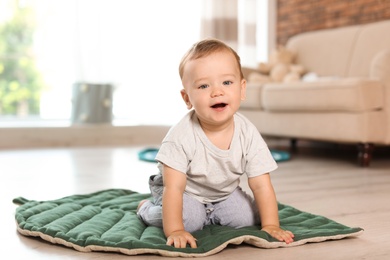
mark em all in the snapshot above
pixel 186 99
pixel 243 89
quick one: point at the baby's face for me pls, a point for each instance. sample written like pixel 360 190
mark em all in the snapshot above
pixel 213 87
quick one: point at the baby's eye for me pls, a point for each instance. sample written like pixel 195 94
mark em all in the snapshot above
pixel 227 82
pixel 203 86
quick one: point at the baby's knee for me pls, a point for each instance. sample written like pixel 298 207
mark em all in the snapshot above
pixel 236 216
pixel 239 220
pixel 194 214
pixel 193 223
pixel 238 210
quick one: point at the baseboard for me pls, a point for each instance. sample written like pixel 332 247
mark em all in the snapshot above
pixel 80 135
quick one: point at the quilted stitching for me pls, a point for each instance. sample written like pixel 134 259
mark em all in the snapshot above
pixel 106 221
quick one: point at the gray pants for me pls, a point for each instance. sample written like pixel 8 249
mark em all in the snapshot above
pixel 238 210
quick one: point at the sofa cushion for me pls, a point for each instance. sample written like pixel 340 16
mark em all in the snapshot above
pixel 253 96
pixel 326 52
pixel 345 95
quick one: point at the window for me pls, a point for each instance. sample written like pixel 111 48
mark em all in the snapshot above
pixel 134 45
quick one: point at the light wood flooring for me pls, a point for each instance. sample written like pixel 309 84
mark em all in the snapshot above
pixel 319 180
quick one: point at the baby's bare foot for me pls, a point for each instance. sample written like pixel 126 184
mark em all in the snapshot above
pixel 140 204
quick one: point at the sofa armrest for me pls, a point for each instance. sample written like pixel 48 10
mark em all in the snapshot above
pixel 380 67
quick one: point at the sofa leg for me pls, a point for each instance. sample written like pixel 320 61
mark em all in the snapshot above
pixel 293 144
pixel 365 154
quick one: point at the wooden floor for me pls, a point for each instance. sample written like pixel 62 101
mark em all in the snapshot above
pixel 324 181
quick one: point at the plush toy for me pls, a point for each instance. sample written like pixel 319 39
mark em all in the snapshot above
pixel 279 68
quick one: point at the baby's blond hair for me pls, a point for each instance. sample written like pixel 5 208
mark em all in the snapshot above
pixel 204 48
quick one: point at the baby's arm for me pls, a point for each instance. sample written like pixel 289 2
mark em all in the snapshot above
pixel 265 197
pixel 174 185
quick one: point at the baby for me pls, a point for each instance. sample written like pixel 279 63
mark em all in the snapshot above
pixel 203 156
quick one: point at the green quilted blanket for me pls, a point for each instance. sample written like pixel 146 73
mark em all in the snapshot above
pixel 106 221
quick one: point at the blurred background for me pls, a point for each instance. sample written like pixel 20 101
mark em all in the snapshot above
pixel 136 46
pixel 48 45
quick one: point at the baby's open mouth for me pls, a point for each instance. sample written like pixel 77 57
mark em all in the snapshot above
pixel 219 105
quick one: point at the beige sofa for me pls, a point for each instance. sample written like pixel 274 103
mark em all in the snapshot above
pixel 348 102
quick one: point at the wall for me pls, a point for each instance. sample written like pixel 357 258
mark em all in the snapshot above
pixel 296 16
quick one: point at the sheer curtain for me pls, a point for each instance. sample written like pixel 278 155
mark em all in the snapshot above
pixel 134 45
pixel 234 22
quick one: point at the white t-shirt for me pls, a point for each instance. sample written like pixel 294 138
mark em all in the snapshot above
pixel 213 173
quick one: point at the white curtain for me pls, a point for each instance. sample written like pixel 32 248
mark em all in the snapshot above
pixel 247 29
pixel 234 22
pixel 134 45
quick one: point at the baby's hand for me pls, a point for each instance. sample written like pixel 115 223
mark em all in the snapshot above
pixel 180 239
pixel 279 234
